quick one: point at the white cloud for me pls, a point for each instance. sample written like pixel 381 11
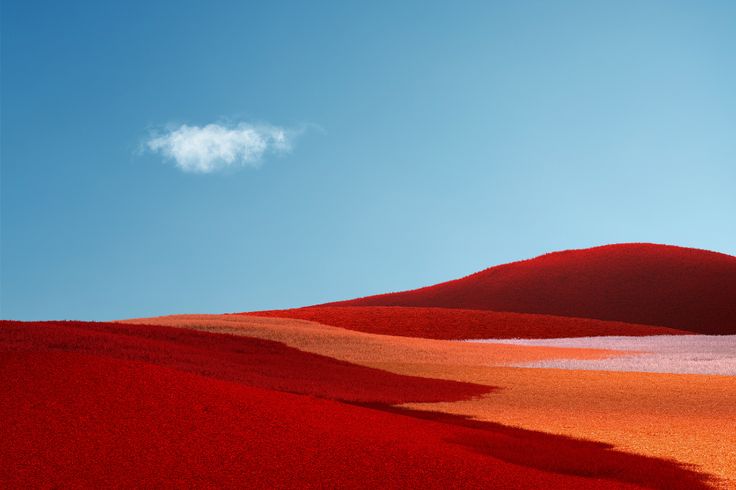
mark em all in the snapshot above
pixel 205 149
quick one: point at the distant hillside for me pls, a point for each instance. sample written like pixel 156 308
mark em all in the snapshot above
pixel 454 323
pixel 649 284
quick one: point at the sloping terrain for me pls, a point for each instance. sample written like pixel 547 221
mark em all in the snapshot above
pixel 370 349
pixel 649 284
pixel 125 405
pixel 378 392
pixel 250 361
pixel 687 418
pixel 453 323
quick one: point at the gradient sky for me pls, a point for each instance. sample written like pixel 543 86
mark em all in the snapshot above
pixel 436 139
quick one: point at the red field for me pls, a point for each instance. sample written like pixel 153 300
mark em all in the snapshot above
pixel 660 285
pixel 350 399
pixel 122 405
pixel 453 323
pixel 253 362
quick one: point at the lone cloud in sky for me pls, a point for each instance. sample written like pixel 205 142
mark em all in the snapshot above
pixel 215 147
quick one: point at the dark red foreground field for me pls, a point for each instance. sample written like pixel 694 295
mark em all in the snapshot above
pixel 99 405
pixel 658 285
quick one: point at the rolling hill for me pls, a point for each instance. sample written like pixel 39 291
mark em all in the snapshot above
pixel 657 285
pixel 90 405
pixel 455 323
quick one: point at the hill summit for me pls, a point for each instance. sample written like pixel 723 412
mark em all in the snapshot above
pixel 661 285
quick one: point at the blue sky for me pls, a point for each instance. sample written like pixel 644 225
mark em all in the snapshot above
pixel 426 141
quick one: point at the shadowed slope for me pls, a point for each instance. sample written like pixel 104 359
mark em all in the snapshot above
pixel 255 362
pixel 74 420
pixel 681 417
pixel 124 414
pixel 649 284
pixel 453 323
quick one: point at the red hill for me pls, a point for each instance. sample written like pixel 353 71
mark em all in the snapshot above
pixel 89 405
pixel 649 284
pixel 454 323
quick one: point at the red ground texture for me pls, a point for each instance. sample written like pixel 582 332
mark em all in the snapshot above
pixel 253 362
pixel 649 284
pixel 101 405
pixel 452 323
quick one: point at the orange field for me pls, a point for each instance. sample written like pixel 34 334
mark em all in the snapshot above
pixel 681 417
pixel 430 388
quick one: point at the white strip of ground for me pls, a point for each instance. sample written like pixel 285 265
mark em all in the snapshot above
pixel 677 354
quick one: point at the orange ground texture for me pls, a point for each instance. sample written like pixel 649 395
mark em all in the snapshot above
pixel 687 418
